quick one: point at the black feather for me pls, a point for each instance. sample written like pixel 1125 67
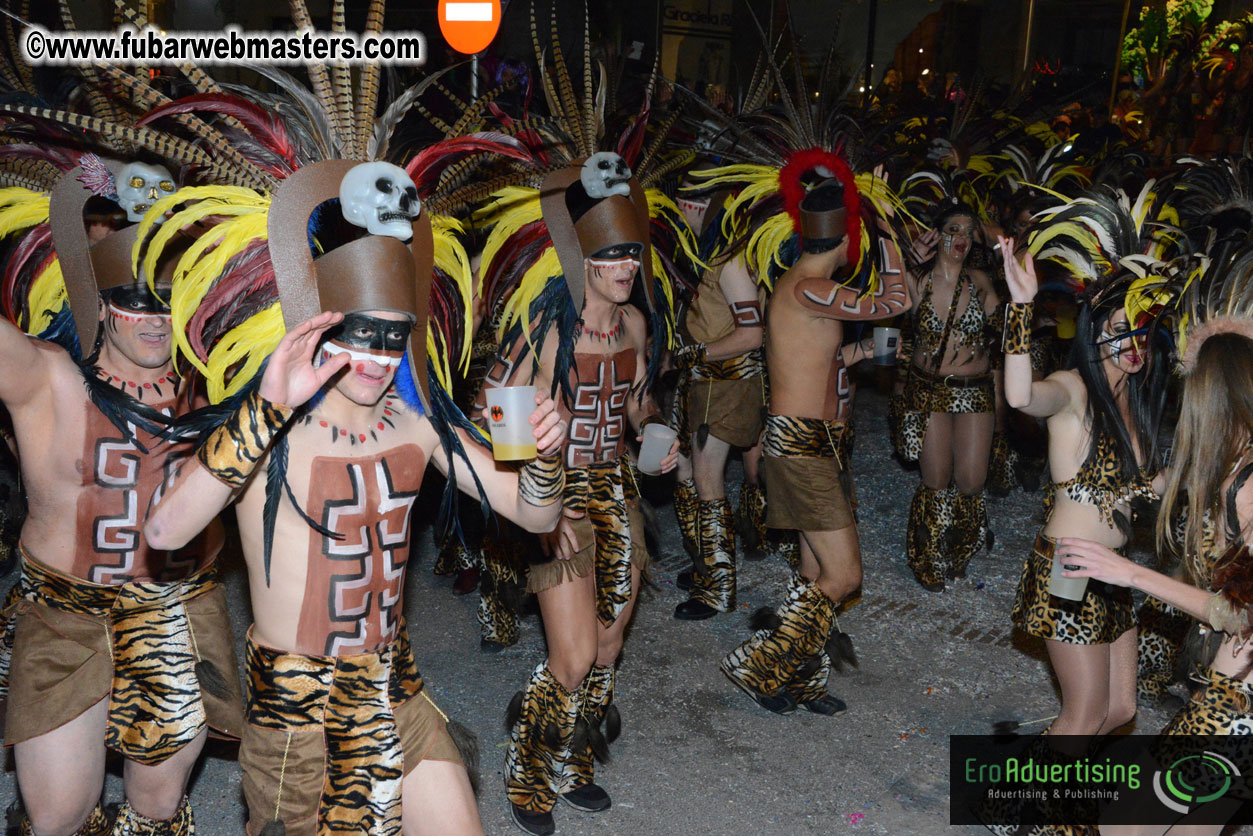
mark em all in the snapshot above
pixel 551 737
pixel 581 738
pixel 122 410
pixel 1006 727
pixel 274 827
pixel 702 435
pixel 212 680
pixel 764 619
pixel 613 723
pixel 600 746
pixel 468 747
pixel 514 711
pixel 808 668
pixel 842 644
pixel 275 469
pixel 14 814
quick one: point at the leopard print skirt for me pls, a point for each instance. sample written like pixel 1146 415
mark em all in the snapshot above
pixel 1104 614
pixel 924 394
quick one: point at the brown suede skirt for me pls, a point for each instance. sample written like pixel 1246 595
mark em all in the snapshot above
pixel 804 482
pixel 328 740
pixel 1104 614
pixel 731 408
pixel 75 643
pixel 554 572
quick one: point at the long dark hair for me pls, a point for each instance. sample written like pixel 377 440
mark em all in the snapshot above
pixel 1146 390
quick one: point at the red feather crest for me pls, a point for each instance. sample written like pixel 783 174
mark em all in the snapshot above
pixel 793 190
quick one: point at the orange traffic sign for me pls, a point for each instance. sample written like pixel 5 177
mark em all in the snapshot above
pixel 469 25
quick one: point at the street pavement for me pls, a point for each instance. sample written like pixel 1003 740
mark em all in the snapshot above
pixel 696 756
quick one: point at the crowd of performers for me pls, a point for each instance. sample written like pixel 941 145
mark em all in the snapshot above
pixel 311 312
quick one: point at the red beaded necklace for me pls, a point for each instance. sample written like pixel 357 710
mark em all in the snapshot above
pixel 355 437
pixel 139 389
pixel 580 328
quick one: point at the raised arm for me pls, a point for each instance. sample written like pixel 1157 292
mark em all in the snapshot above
pixel 210 481
pixel 830 300
pixel 1038 398
pixel 23 364
pixel 530 497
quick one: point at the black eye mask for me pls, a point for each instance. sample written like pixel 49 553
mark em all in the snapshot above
pixel 361 331
pixel 618 251
pixel 136 299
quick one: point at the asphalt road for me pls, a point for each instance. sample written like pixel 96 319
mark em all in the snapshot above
pixel 696 756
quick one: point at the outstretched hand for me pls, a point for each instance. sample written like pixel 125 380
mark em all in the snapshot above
pixel 1021 278
pixel 290 377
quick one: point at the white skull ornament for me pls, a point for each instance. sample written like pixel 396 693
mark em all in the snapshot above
pixel 380 197
pixel 606 173
pixel 140 185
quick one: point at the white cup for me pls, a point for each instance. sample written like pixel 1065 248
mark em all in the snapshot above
pixel 886 341
pixel 1072 589
pixel 509 411
pixel 658 439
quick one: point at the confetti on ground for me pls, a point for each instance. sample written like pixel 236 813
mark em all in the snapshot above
pixel 913 732
pixel 854 818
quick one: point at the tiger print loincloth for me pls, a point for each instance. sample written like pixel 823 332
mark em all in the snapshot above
pixel 329 739
pixel 610 535
pixel 68 643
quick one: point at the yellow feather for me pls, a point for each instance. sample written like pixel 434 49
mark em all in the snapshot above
pixel 47 297
pixel 248 344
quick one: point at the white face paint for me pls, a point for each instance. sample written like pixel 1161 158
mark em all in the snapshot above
pixel 388 360
pixel 606 173
pixel 380 197
pixel 140 185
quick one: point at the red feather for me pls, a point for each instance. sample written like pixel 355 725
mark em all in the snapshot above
pixel 265 127
pixel 793 190
pixel 427 166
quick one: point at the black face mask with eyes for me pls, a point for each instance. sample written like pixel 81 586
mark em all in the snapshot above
pixel 135 299
pixel 371 333
pixel 616 252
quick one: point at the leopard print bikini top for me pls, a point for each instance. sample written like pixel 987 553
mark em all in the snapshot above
pixel 1099 482
pixel 969 329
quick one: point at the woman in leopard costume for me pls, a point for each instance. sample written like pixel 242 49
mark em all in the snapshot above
pixel 947 408
pixel 1214 454
pixel 1103 412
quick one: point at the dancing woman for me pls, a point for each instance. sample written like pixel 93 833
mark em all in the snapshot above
pixel 1103 412
pixel 1213 452
pixel 947 421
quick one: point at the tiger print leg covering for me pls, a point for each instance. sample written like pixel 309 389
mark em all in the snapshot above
pixel 752 517
pixel 1002 466
pixel 767 666
pixel 595 701
pixel 790 550
pixel 1162 631
pixel 969 531
pixel 930 516
pixel 130 823
pixel 810 681
pixel 97 824
pixel 499 593
pixel 539 742
pixel 685 502
pixel 714 581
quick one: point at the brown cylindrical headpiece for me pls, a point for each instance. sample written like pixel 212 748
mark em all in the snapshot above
pixel 373 273
pixel 88 268
pixel 613 220
pixel 824 224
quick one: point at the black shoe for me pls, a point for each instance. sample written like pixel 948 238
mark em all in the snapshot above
pixel 826 705
pixel 933 586
pixel 694 610
pixel 589 798
pixel 780 703
pixel 683 580
pixel 537 824
pixel 489 646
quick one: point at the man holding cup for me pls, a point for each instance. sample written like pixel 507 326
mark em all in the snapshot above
pixel 800 465
pixel 592 346
pixel 324 459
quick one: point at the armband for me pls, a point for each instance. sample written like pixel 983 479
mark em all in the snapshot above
pixel 1017 335
pixel 233 450
pixel 542 480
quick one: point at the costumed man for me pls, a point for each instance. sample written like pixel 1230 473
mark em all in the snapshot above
pixel 109 641
pixel 725 394
pixel 343 424
pixel 800 465
pixel 325 450
pixel 581 259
